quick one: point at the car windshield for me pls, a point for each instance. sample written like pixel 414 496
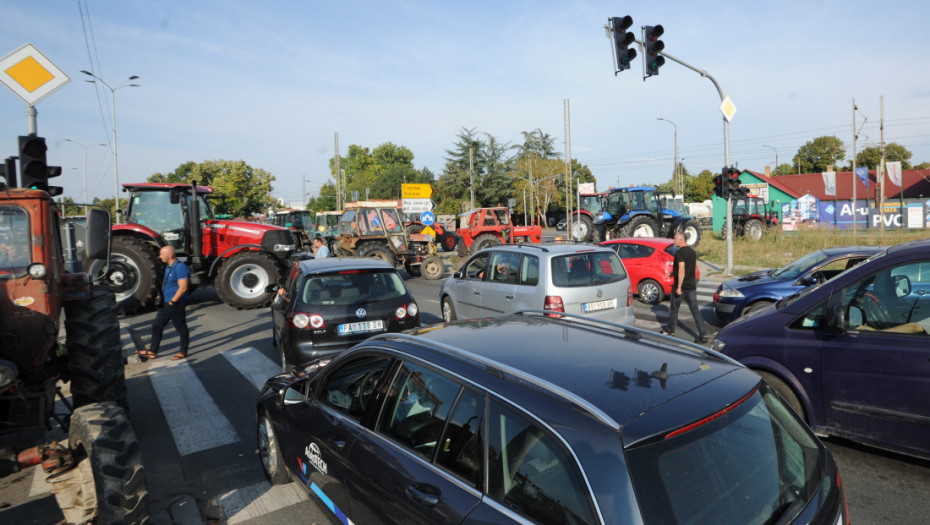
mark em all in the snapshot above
pixel 752 463
pixel 587 269
pixel 351 287
pixel 794 269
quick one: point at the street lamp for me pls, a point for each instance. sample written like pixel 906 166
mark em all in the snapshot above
pixel 678 185
pixel 85 168
pixel 776 156
pixel 113 117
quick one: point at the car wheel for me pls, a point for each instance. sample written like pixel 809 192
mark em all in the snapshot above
pixel 448 311
pixel 784 391
pixel 756 306
pixel 650 292
pixel 270 452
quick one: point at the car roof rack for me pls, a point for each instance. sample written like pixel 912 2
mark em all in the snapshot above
pixel 589 407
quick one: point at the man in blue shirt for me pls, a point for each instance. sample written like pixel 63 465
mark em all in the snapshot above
pixel 174 293
pixel 320 250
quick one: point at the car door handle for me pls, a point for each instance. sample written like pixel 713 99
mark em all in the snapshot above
pixel 427 495
pixel 509 297
pixel 338 444
pixel 476 291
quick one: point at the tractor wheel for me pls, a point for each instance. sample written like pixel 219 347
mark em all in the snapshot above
pixel 432 268
pixel 108 484
pixel 460 249
pixel 754 229
pixel 583 230
pixel 95 354
pixel 243 277
pixel 377 250
pixel 412 269
pixel 691 231
pixel 650 291
pixel 484 240
pixel 134 273
pixel 641 226
pixel 448 241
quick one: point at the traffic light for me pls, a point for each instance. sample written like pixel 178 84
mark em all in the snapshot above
pixel 622 41
pixel 732 180
pixel 719 185
pixel 34 170
pixel 654 46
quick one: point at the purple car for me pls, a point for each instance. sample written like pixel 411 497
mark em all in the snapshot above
pixel 851 355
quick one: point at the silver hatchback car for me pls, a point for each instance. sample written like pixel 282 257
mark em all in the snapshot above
pixel 574 278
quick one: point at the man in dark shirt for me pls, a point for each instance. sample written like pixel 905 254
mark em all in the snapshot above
pixel 685 286
pixel 174 294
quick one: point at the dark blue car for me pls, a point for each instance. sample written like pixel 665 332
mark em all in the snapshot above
pixel 758 290
pixel 851 355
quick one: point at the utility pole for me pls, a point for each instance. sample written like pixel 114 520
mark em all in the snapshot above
pixel 568 165
pixel 337 176
pixel 471 174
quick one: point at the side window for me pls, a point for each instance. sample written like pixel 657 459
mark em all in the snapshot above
pixel 529 270
pixel 530 473
pixel 504 266
pixel 475 268
pixel 418 403
pixel 462 449
pixel 893 300
pixel 814 318
pixel 350 388
pixel 290 286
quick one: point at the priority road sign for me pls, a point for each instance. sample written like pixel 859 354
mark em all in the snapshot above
pixel 31 75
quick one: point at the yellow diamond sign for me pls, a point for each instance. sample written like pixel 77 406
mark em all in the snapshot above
pixel 728 108
pixel 31 75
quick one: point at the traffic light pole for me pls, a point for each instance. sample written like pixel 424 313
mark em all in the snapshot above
pixel 726 150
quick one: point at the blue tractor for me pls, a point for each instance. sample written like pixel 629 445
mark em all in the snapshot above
pixel 638 212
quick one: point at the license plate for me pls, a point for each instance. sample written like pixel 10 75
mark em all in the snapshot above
pixel 360 327
pixel 599 305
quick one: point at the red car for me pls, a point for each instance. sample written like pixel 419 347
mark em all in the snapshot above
pixel 648 260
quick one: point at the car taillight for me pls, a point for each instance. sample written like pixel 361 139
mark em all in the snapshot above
pixel 553 303
pixel 629 295
pixel 412 309
pixel 401 312
pixel 301 320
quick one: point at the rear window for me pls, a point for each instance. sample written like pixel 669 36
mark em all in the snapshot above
pixel 587 269
pixel 351 287
pixel 754 464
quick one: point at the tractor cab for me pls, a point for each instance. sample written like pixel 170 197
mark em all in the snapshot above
pixel 167 213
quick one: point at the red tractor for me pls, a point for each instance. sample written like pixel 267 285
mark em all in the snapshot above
pixel 752 216
pixel 99 475
pixel 240 258
pixel 484 227
pixel 589 206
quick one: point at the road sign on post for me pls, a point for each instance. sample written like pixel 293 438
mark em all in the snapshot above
pixel 417 206
pixel 416 191
pixel 30 75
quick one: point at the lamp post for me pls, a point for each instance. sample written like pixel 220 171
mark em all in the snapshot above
pixel 776 156
pixel 677 183
pixel 113 125
pixel 85 168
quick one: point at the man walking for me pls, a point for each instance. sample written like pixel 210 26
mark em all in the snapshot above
pixel 685 286
pixel 174 293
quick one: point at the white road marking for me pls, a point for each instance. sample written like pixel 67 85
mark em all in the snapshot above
pixel 253 365
pixel 254 501
pixel 195 420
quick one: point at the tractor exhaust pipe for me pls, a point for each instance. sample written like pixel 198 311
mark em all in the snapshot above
pixel 196 257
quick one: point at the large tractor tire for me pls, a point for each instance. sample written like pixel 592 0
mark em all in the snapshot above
pixel 691 231
pixel 134 273
pixel 641 226
pixel 432 268
pixel 377 250
pixel 754 229
pixel 108 484
pixel 460 249
pixel 243 277
pixel 95 354
pixel 447 240
pixel 583 230
pixel 484 240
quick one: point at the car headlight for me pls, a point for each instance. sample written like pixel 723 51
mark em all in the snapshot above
pixel 731 293
pixel 717 345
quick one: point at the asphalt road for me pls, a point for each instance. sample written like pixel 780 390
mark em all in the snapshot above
pixel 195 420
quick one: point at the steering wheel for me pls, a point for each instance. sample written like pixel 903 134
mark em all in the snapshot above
pixel 875 312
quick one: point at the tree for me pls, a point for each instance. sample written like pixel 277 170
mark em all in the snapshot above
pixel 378 173
pixel 240 189
pixel 872 155
pixel 818 154
pixel 68 208
pixel 326 201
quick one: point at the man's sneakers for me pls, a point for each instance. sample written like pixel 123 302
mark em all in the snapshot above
pixel 702 339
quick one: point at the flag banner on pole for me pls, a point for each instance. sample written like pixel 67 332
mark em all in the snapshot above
pixel 894 172
pixel 829 182
pixel 863 174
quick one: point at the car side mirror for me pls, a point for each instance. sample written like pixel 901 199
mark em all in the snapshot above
pixel 293 396
pixel 457 275
pixel 836 318
pixel 902 285
pixel 810 280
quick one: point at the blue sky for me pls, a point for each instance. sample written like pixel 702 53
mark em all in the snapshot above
pixel 270 84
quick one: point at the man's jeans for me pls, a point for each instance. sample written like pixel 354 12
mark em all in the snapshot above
pixel 690 297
